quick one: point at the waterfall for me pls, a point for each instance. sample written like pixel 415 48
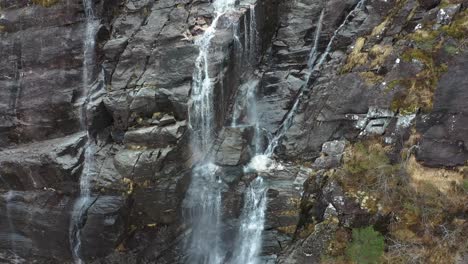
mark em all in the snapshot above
pixel 245 104
pixel 203 198
pixel 8 197
pixel 204 202
pixel 312 66
pixel 247 91
pixel 335 33
pixel 239 49
pixel 253 215
pixel 253 36
pixel 252 223
pixel 84 201
pixel 313 52
pixel 249 238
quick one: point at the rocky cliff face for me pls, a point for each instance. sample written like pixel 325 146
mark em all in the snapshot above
pixel 364 103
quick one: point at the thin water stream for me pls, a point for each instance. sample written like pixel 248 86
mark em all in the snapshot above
pixel 203 198
pixel 255 202
pixel 313 65
pixel 88 172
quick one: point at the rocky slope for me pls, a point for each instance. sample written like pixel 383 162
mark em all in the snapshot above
pixel 373 135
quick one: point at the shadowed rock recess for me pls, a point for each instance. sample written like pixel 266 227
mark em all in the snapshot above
pixel 233 131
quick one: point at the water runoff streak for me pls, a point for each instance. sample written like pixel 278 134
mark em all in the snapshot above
pixel 252 220
pixel 85 199
pixel 203 198
pixel 313 65
pixel 255 200
pixel 13 237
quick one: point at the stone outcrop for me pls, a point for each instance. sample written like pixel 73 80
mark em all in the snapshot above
pixel 394 72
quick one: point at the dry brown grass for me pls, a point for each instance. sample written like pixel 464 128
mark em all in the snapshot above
pixel 442 179
pixel 45 3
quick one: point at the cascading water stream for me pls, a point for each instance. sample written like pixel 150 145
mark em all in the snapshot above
pixel 332 39
pixel 249 238
pixel 252 219
pixel 253 214
pixel 203 198
pixel 12 236
pixel 250 51
pixel 253 36
pixel 249 242
pixel 313 52
pixel 85 199
pixel 312 66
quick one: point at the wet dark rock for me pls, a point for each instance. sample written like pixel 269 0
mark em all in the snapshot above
pixel 160 136
pixel 107 217
pixel 444 130
pixel 52 163
pixel 236 146
pixel 167 120
pixel 39 226
pixel 139 104
pixel 429 4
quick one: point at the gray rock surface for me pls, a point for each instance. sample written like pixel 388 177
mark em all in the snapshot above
pixel 139 109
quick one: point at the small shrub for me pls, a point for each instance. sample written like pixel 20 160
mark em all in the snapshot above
pixel 366 247
pixel 364 157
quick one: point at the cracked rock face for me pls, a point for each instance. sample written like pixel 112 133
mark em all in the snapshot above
pixel 370 85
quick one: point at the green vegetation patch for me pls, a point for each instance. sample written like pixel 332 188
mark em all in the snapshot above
pixel 364 158
pixel 366 247
pixel 458 29
pixel 418 90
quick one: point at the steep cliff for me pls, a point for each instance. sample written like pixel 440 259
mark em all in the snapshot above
pixel 248 131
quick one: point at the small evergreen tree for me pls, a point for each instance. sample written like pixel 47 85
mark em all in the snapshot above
pixel 366 247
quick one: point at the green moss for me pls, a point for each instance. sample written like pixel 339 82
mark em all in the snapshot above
pixel 417 54
pixel 419 89
pixel 403 107
pixel 458 29
pixel 424 39
pixel 370 77
pixel 444 3
pixel 363 158
pixel 409 100
pixel 366 247
pixel 392 84
pixel 45 3
pixel 450 49
pixel 380 29
pixel 465 185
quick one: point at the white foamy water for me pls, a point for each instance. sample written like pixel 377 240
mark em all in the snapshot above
pixel 249 241
pixel 88 171
pixel 202 202
pixel 253 36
